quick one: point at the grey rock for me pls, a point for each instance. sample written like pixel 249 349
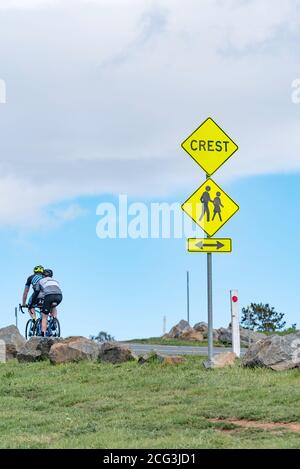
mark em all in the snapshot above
pixel 13 340
pixel 247 336
pixel 225 335
pixel 201 327
pixel 111 352
pixel 275 352
pixel 192 335
pixel 73 349
pixel 150 357
pixel 222 360
pixel 177 331
pixel 36 349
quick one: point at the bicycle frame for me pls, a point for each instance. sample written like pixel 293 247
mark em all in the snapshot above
pixel 39 315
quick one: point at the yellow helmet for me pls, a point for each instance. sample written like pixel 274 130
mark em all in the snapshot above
pixel 39 269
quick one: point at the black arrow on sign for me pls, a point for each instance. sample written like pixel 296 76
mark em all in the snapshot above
pixel 217 245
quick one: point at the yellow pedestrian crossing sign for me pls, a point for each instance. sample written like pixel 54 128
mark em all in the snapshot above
pixel 209 245
pixel 209 146
pixel 210 207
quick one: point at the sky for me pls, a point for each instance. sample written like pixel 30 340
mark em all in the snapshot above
pixel 99 96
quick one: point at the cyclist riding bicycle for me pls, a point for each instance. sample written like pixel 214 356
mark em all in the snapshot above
pixel 49 291
pixel 32 281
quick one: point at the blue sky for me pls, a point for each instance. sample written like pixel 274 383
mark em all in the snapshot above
pixel 100 107
pixel 126 286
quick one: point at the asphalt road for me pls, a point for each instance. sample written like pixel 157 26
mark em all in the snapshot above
pixel 141 349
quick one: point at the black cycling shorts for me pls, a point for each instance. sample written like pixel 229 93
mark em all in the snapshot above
pixel 48 302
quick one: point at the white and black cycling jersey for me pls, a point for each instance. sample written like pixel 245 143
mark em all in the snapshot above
pixel 48 286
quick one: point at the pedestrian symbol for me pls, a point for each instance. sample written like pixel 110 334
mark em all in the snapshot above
pixel 210 207
pixel 209 146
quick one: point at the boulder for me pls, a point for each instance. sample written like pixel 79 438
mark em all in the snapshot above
pixel 13 340
pixel 173 360
pixel 111 352
pixel 36 348
pixel 73 349
pixel 192 335
pixel 201 327
pixel 222 360
pixel 246 335
pixel 153 357
pixel 275 352
pixel 177 331
pixel 150 357
pixel 225 335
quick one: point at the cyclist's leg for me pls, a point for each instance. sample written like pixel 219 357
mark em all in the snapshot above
pixel 44 324
pixel 56 299
pixel 46 310
pixel 31 309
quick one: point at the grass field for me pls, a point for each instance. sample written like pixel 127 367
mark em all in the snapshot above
pixel 90 405
pixel 178 342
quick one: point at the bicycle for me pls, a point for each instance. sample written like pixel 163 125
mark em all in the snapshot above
pixel 34 328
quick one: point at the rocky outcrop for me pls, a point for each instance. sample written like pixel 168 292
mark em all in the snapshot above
pixel 73 349
pixel 36 349
pixel 222 360
pixel 275 352
pixel 201 327
pixel 13 341
pixel 180 328
pixel 111 352
pixel 247 336
pixel 192 335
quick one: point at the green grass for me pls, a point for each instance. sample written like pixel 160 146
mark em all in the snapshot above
pixel 178 342
pixel 90 405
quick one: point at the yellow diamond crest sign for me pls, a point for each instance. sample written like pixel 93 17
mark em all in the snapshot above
pixel 209 146
pixel 210 207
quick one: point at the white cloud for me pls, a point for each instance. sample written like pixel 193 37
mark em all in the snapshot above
pixel 101 93
pixel 71 212
pixel 24 4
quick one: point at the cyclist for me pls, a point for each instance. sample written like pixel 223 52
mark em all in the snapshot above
pixel 49 290
pixel 32 281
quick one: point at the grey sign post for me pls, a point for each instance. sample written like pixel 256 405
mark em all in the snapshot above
pixel 209 311
pixel 209 307
pixel 188 295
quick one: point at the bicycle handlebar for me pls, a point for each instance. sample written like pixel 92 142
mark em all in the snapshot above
pixel 21 308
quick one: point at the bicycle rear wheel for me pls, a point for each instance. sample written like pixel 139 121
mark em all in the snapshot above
pixel 54 327
pixel 29 329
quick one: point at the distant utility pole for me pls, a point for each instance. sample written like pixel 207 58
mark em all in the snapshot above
pixel 188 295
pixel 164 325
pixel 16 316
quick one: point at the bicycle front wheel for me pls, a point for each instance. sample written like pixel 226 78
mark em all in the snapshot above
pixel 38 328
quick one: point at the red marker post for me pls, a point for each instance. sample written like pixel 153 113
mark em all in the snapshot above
pixel 235 322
